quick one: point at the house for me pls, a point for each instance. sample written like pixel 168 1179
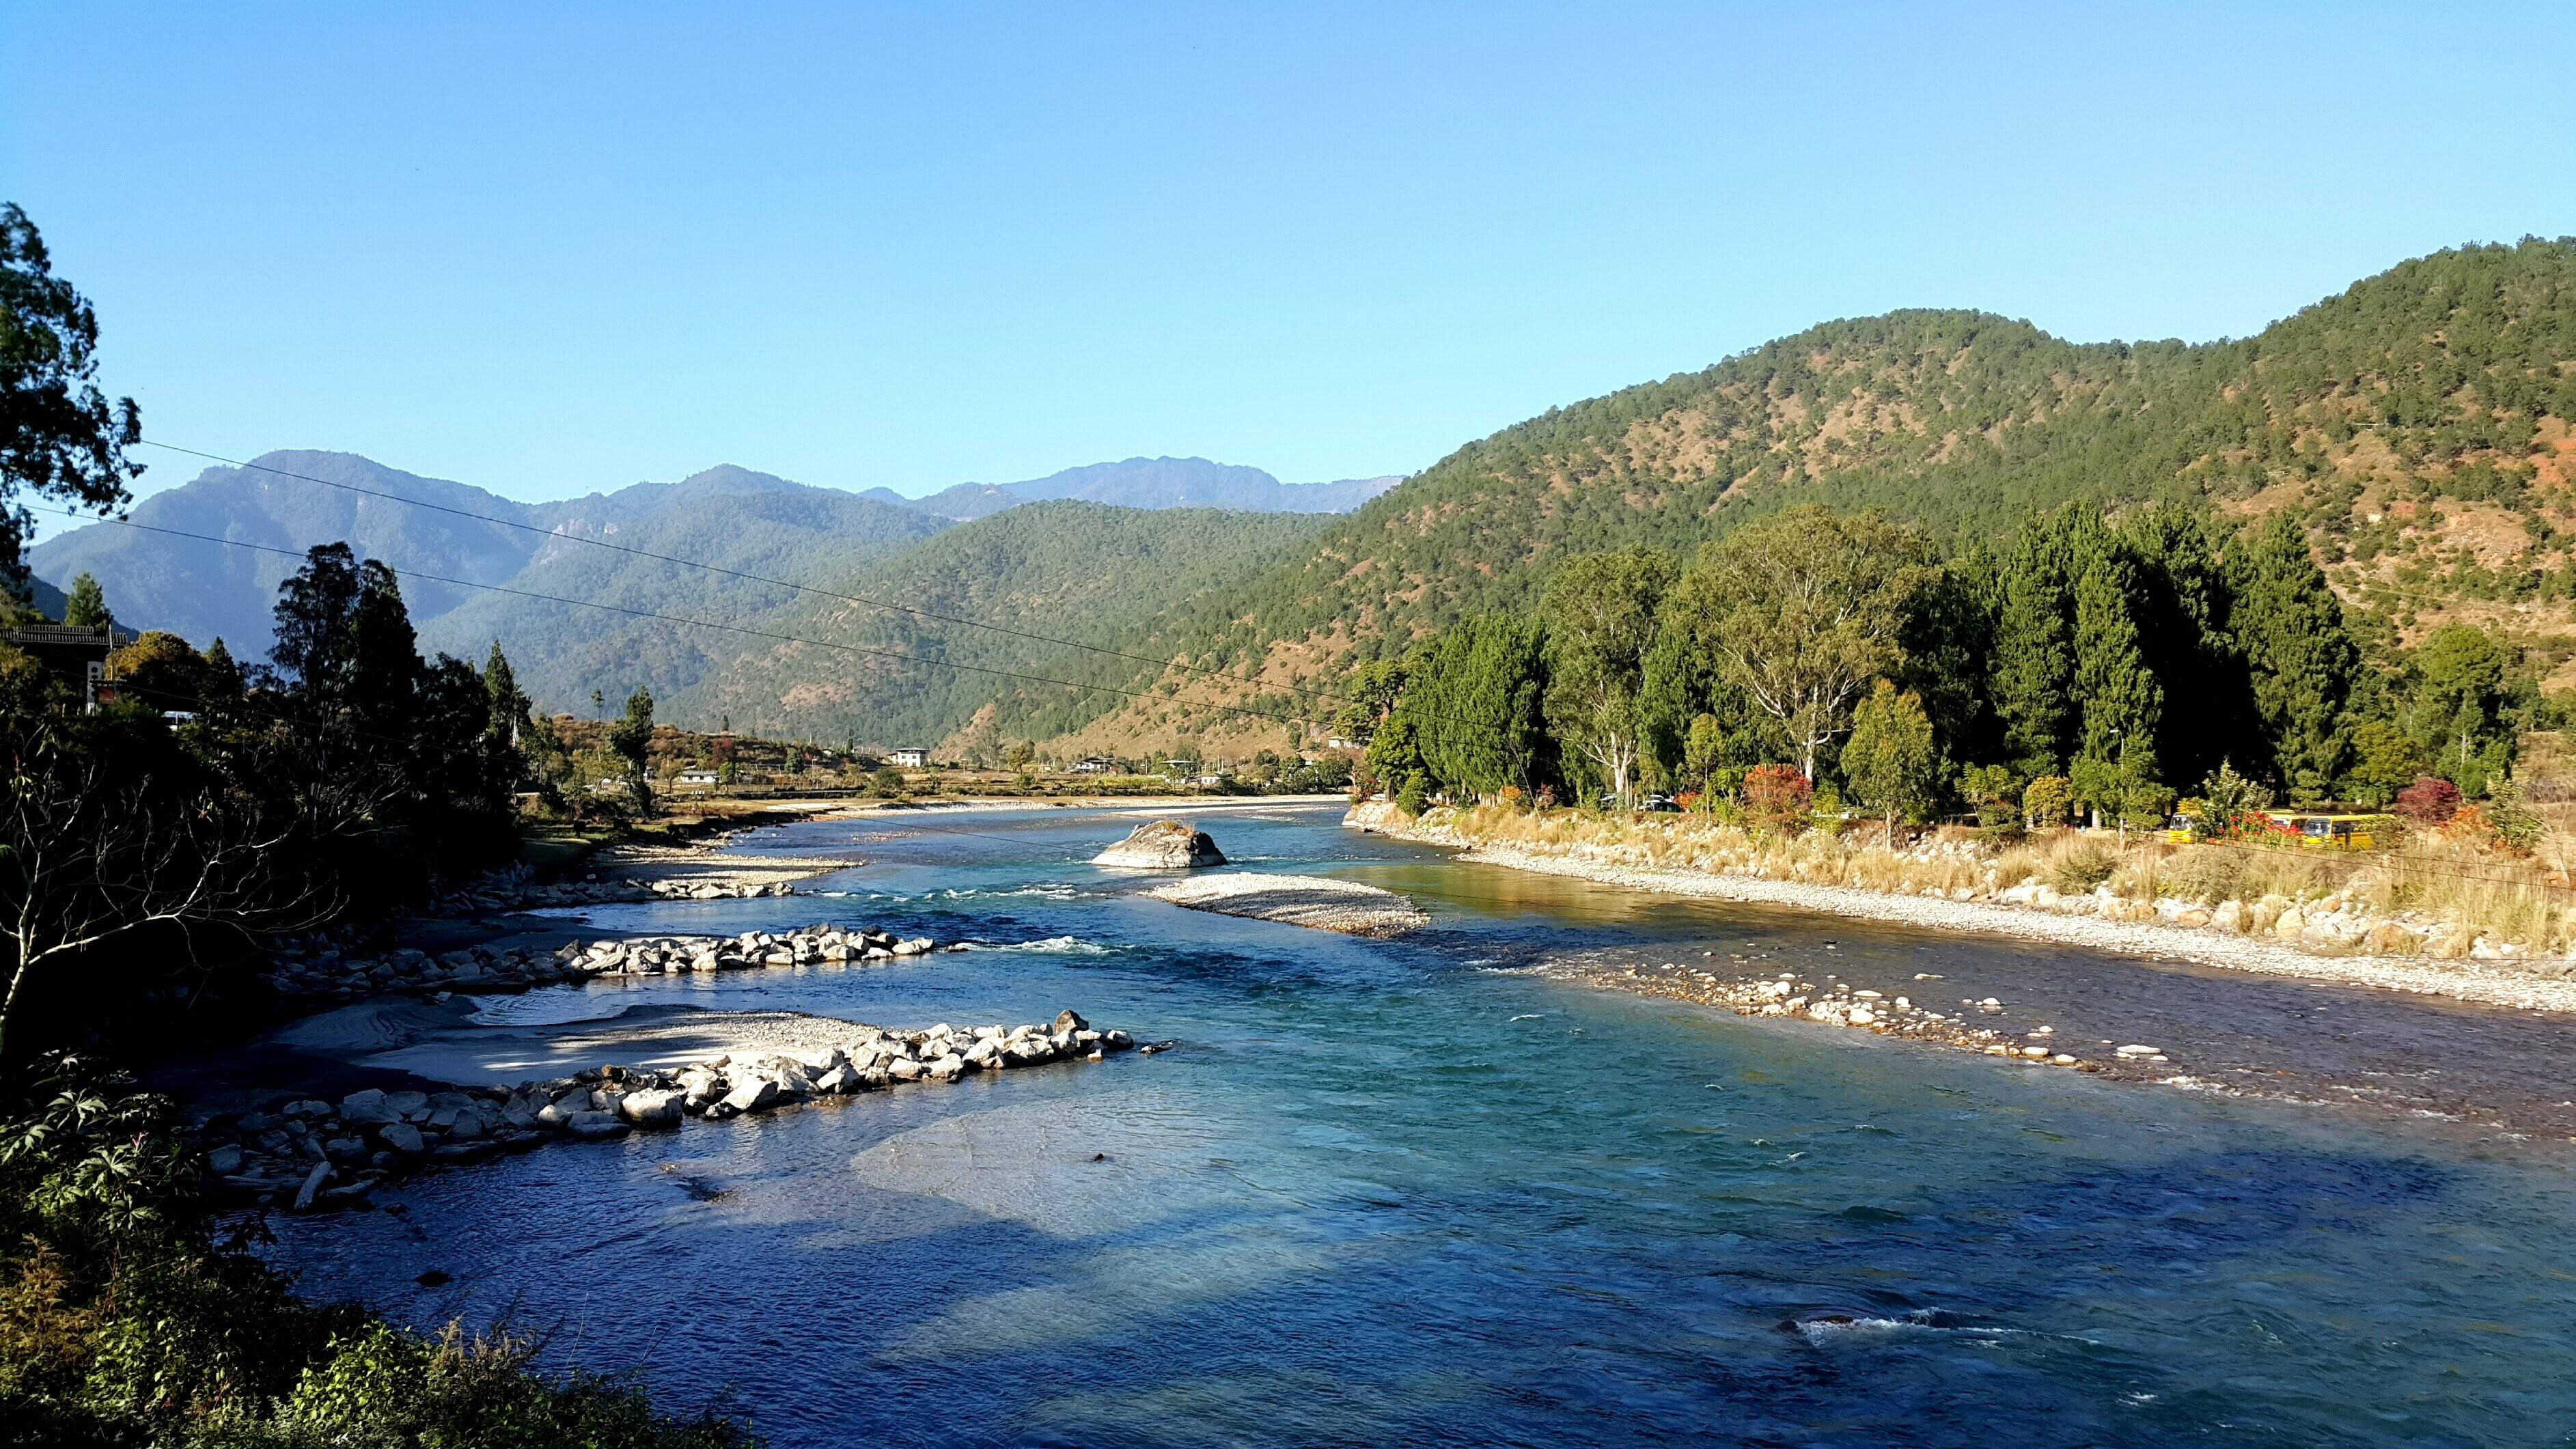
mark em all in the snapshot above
pixel 908 759
pixel 77 656
pixel 1095 766
pixel 704 779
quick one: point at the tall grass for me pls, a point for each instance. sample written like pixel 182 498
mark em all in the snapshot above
pixel 2424 878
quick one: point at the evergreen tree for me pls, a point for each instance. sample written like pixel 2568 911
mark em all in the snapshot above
pixel 631 739
pixel 2302 659
pixel 2122 705
pixel 2183 609
pixel 2033 664
pixel 85 606
pixel 1474 705
pixel 1949 642
pixel 510 704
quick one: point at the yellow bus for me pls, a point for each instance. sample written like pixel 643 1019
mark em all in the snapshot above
pixel 2325 832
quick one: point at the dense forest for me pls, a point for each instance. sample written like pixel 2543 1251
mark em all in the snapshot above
pixel 2414 427
pixel 2108 670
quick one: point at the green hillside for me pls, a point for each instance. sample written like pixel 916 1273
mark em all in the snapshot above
pixel 2418 423
pixel 1113 578
pixel 730 517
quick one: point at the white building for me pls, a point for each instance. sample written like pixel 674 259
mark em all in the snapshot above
pixel 908 759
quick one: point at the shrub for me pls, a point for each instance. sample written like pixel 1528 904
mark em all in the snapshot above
pixel 1777 799
pixel 2207 873
pixel 2429 801
pixel 2082 867
pixel 1415 797
pixel 2047 800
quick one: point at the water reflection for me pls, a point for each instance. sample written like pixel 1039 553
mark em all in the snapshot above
pixel 1384 1193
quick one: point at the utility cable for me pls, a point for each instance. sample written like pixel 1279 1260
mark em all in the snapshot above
pixel 741 629
pixel 748 576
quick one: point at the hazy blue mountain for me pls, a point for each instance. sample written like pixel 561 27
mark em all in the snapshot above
pixel 208 590
pixel 48 600
pixel 1161 483
pixel 730 517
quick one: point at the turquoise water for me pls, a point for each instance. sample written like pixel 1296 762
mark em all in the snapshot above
pixel 1405 1192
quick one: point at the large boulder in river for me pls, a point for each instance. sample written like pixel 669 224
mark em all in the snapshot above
pixel 1163 845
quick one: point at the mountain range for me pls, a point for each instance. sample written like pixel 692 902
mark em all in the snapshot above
pixel 2419 424
pixel 780 533
pixel 1162 483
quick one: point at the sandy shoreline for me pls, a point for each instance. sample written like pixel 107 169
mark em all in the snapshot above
pixel 2488 983
pixel 1317 902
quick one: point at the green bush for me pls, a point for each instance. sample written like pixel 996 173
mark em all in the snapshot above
pixel 123 1323
pixel 2082 868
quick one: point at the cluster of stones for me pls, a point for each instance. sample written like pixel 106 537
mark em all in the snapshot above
pixel 308 1154
pixel 1839 1003
pixel 2334 925
pixel 321 970
pixel 517 888
pixel 674 955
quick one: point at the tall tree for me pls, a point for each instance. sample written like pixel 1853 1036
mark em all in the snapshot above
pixel 2301 657
pixel 2458 709
pixel 1805 610
pixel 632 739
pixel 2033 663
pixel 1600 611
pixel 85 605
pixel 1475 705
pixel 1889 761
pixel 2185 611
pixel 510 704
pixel 60 438
pixel 2122 703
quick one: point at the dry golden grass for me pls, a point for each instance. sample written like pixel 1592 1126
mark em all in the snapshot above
pixel 2426 877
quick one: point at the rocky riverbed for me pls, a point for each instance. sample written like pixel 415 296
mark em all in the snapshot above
pixel 303 1153
pixel 2319 940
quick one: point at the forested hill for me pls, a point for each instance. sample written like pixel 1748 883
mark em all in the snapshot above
pixel 1134 580
pixel 2418 421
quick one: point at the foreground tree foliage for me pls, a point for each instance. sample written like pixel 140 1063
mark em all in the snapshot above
pixel 124 1321
pixel 60 438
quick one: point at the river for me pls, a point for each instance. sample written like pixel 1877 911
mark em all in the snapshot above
pixel 1418 1192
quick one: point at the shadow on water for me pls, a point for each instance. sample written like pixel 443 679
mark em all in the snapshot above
pixel 1387 1195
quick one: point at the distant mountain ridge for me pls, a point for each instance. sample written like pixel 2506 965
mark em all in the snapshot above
pixel 1161 483
pixel 730 516
pixel 206 591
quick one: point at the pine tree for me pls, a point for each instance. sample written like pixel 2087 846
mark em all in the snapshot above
pixel 2183 607
pixel 2121 702
pixel 85 607
pixel 2302 659
pixel 2033 664
pixel 509 704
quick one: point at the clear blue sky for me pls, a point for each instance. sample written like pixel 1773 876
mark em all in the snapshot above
pixel 553 249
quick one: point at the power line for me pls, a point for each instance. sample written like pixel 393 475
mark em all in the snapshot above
pixel 745 630
pixel 748 576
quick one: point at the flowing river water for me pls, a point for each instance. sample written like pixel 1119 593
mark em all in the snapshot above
pixel 1419 1192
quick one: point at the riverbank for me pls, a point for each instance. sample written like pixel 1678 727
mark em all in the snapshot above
pixel 2086 920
